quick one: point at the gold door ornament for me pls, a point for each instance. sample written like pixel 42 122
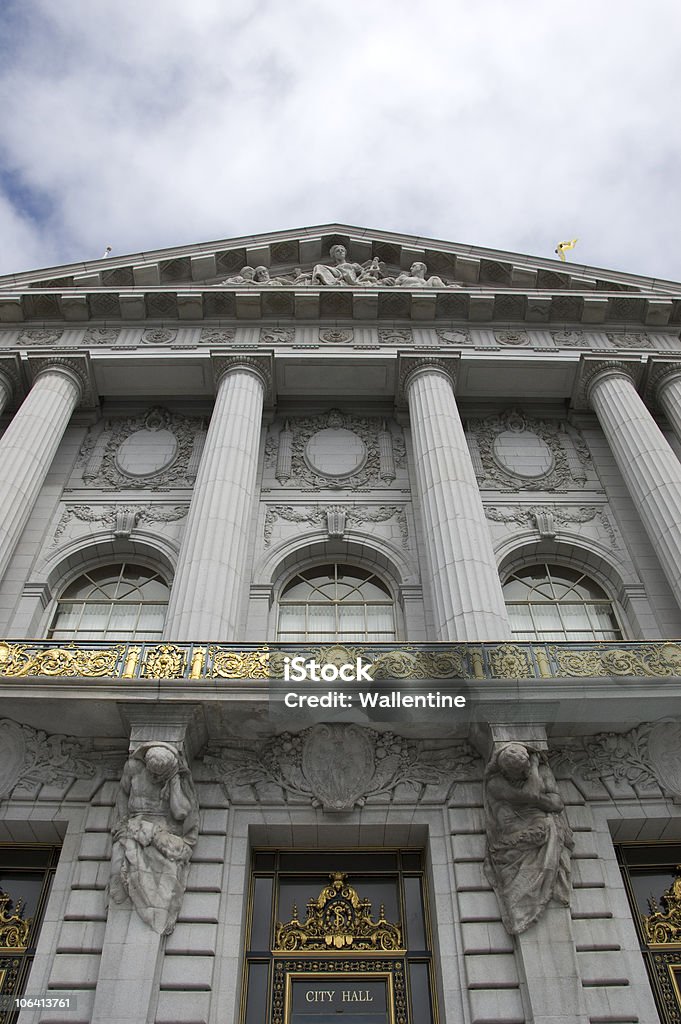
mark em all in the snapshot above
pixel 14 928
pixel 663 927
pixel 339 919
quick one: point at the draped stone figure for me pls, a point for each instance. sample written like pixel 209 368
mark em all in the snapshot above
pixel 155 828
pixel 416 278
pixel 343 272
pixel 528 837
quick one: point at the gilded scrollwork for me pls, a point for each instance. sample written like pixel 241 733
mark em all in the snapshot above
pixel 231 664
pixel 166 661
pixel 663 927
pixel 20 660
pixel 339 919
pixel 14 927
pixel 508 661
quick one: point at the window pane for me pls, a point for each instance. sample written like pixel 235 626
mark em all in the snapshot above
pixel 338 602
pixel 104 614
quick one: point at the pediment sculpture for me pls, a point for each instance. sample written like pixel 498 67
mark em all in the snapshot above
pixel 339 272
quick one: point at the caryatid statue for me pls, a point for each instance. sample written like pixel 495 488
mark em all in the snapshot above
pixel 529 839
pixel 155 828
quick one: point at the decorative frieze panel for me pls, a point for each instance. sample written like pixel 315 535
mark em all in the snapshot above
pixel 30 757
pixel 517 452
pixel 335 519
pixel 341 766
pixel 153 451
pixel 646 757
pixel 548 520
pixel 335 451
pixel 121 520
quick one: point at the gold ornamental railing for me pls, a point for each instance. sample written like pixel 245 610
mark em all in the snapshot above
pixel 192 663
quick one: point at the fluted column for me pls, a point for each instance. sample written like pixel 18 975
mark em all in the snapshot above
pixel 208 589
pixel 467 596
pixel 30 443
pixel 651 470
pixel 665 385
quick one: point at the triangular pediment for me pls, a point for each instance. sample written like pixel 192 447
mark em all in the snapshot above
pixel 290 259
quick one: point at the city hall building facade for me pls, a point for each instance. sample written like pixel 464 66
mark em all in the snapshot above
pixel 444 479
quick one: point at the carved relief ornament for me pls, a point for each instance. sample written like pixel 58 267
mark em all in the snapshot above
pixel 30 757
pixel 518 452
pixel 361 451
pixel 336 518
pixel 547 519
pixel 339 766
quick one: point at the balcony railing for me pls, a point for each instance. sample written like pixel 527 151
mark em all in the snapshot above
pixel 193 663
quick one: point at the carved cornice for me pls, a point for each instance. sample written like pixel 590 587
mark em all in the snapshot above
pixel 73 365
pixel 260 366
pixel 593 368
pixel 410 366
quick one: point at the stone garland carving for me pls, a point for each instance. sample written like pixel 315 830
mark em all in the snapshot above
pixel 277 335
pixel 529 840
pixel 542 439
pixel 40 336
pixel 395 336
pixel 336 517
pixel 458 336
pixel 30 757
pixel 155 830
pixel 571 339
pixel 646 756
pixel 336 337
pixel 516 339
pixel 369 468
pixel 121 519
pixel 217 336
pixel 158 336
pixel 339 766
pixel 629 340
pixel 546 518
pixel 177 433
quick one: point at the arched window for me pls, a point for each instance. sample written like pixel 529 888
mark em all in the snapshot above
pixel 113 602
pixel 552 602
pixel 336 602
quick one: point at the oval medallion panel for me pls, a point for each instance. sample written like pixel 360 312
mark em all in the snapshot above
pixel 146 452
pixel 335 452
pixel 523 453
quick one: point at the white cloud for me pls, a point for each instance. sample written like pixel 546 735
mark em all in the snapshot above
pixel 144 124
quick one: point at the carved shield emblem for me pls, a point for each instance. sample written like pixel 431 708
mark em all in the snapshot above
pixel 338 763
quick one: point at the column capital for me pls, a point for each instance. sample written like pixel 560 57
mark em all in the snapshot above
pixel 593 368
pixel 260 366
pixel 660 372
pixel 410 366
pixel 75 366
pixel 10 377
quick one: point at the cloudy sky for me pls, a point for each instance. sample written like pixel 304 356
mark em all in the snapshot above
pixel 148 123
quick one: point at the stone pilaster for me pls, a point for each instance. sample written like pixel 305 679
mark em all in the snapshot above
pixel 30 442
pixel 9 380
pixel 209 587
pixel 649 467
pixel 467 597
